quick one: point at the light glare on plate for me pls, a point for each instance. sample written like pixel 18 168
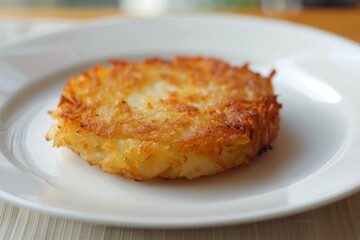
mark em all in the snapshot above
pixel 145 7
pixel 309 84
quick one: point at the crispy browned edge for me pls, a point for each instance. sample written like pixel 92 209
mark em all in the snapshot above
pixel 260 116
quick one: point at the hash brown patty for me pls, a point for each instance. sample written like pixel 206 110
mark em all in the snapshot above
pixel 180 118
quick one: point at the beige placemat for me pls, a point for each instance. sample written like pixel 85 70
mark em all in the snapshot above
pixel 340 220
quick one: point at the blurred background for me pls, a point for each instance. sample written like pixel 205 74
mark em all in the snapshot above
pixel 161 5
pixel 20 18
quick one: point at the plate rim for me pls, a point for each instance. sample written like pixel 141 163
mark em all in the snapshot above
pixel 116 19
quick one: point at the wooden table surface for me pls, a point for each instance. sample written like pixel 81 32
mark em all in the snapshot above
pixel 340 220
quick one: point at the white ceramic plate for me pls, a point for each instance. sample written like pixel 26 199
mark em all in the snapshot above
pixel 315 159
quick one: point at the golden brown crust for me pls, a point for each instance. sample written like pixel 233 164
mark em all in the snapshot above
pixel 201 106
